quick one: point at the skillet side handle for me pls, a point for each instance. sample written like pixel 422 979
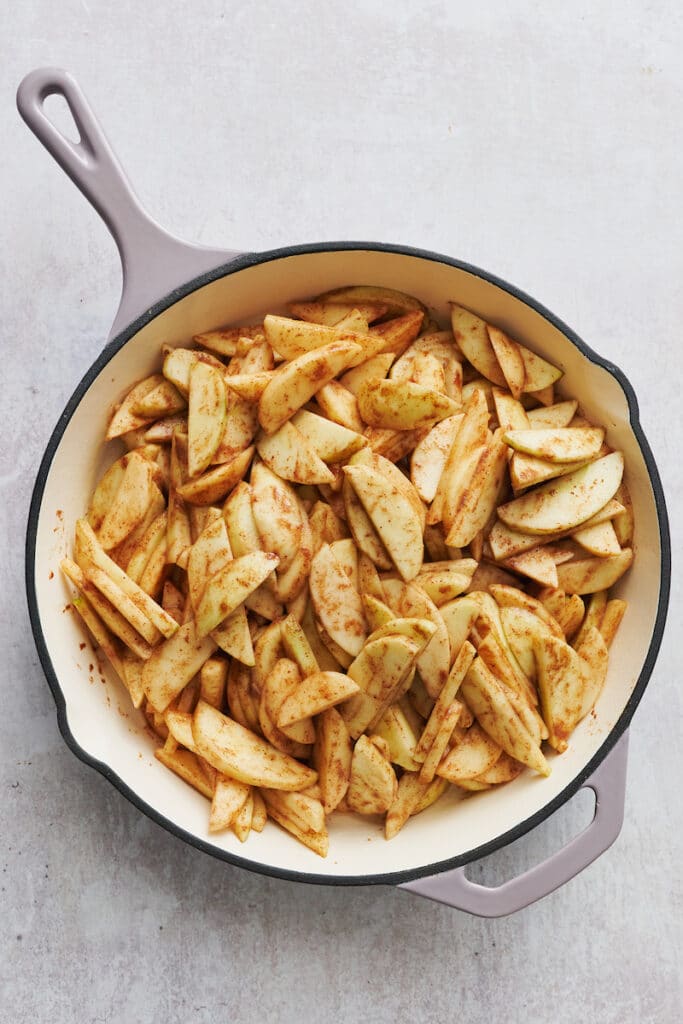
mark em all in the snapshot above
pixel 455 890
pixel 154 262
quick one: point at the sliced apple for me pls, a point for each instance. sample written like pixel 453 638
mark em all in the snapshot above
pixel 458 617
pixel 332 755
pixel 430 455
pixel 393 516
pixel 538 564
pixel 163 400
pixel 396 730
pixel 465 451
pixel 124 419
pixel 473 754
pixel 316 694
pixel 594 654
pixel 553 416
pixel 331 441
pixel 331 313
pixel 178 363
pixel 130 503
pixel 297 381
pixel 277 514
pixel 373 784
pixel 471 335
pixel 229 588
pixel 337 603
pixel 224 342
pixel 239 753
pixel 562 680
pixel 600 540
pixel 402 405
pixel 587 575
pixel 493 709
pixel 214 485
pixel 340 405
pixel 568 502
pixel 528 470
pixel 173 663
pixel 510 360
pixel 291 455
pixel 562 444
pixel 364 533
pixel 478 499
pixel 396 302
pixel 539 374
pixel 381 671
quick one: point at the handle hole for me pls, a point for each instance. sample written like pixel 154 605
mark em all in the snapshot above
pixel 542 842
pixel 58 112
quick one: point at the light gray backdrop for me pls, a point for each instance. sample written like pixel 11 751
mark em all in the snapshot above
pixel 540 140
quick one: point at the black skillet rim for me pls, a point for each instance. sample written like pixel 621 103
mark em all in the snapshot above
pixel 234 266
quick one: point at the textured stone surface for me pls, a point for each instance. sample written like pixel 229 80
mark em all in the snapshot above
pixel 538 140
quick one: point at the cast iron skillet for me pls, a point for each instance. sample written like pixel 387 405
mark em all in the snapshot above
pixel 172 290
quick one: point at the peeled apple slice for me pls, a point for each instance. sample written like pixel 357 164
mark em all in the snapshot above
pixel 566 502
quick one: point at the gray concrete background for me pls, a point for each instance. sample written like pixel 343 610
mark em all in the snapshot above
pixel 540 140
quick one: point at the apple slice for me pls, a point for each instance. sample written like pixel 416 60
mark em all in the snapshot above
pixel 208 556
pixel 397 334
pixel 474 753
pixel 124 419
pixel 229 588
pixel 240 754
pixel 294 383
pixel 382 671
pixel 470 439
pixel 173 664
pixel 213 486
pixel 291 455
pixel 364 533
pixel 393 516
pixel 538 564
pixel 224 341
pixel 340 405
pixel 599 540
pixel 568 502
pixel 396 302
pixel 206 416
pixel 471 335
pixel 332 755
pixel 163 400
pixel 293 338
pixel 337 603
pixel 445 699
pixel 178 363
pixel 331 313
pixel 528 470
pixel 331 441
pixel 316 694
pixel 563 444
pixel 373 784
pixel 277 514
pixel 373 369
pixel 433 660
pixel 478 498
pixel 587 575
pixel 129 503
pixel 562 681
pixel 492 707
pixel 430 456
pixel 511 413
pixel 510 360
pixel 402 405
pixel 300 815
pixel 539 374
pixel 553 416
pixel 594 654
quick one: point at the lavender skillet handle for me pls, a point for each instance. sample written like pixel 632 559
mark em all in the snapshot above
pixel 154 262
pixel 453 888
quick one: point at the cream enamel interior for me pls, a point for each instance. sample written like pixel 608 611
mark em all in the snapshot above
pixel 98 712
